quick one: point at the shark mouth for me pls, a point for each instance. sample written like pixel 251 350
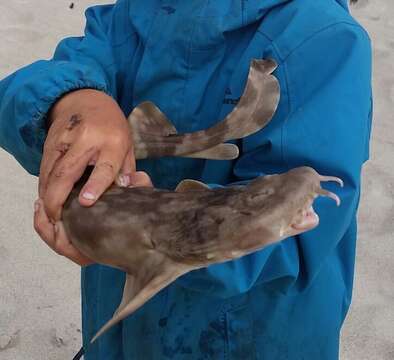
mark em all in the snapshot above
pixel 308 221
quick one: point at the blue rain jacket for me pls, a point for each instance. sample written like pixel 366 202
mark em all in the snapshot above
pixel 191 58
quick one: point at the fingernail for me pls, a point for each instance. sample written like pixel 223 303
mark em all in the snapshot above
pixel 88 196
pixel 56 228
pixel 124 180
pixel 36 205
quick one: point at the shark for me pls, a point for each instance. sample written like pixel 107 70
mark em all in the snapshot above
pixel 157 235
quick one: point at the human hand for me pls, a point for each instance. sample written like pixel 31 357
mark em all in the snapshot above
pixel 87 127
pixel 55 236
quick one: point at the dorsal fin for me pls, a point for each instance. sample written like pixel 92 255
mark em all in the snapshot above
pixel 218 152
pixel 191 185
pixel 147 118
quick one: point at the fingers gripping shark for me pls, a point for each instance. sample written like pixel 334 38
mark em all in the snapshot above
pixel 156 236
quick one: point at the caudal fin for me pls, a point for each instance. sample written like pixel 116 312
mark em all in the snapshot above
pixel 155 136
pixel 257 104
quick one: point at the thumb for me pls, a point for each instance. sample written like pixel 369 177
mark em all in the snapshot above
pixel 140 179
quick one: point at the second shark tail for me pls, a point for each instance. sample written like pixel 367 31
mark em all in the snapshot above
pixel 155 136
pixel 257 105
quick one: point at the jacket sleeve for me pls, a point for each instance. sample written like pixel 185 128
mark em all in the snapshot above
pixel 327 128
pixel 27 95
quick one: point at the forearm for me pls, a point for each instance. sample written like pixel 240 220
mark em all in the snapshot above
pixel 27 96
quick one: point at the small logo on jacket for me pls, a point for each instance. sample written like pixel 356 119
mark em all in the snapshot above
pixel 228 100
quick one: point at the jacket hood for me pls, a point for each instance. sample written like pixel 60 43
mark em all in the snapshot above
pixel 343 3
pixel 256 9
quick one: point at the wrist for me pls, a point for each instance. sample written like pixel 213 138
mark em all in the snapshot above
pixel 72 101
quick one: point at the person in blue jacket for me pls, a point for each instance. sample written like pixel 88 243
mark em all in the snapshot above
pixel 191 58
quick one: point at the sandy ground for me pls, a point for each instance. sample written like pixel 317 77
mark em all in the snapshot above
pixel 39 292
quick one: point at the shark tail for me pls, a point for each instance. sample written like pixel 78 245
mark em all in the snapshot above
pixel 155 136
pixel 257 105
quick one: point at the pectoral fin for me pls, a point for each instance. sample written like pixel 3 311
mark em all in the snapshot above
pixel 218 152
pixel 128 292
pixel 137 291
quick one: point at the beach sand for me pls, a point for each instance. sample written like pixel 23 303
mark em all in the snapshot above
pixel 39 291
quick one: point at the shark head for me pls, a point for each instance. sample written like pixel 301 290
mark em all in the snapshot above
pixel 275 207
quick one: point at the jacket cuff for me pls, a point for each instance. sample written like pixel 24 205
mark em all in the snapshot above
pixel 38 97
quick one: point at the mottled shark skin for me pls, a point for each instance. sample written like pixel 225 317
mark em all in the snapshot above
pixel 154 136
pixel 156 236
